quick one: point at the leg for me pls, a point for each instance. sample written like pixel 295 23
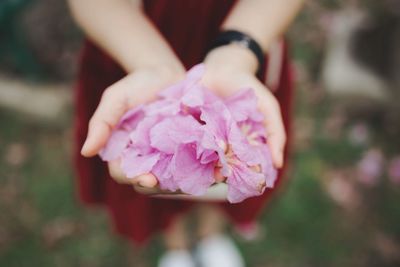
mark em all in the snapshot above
pixel 211 221
pixel 177 246
pixel 215 249
pixel 175 237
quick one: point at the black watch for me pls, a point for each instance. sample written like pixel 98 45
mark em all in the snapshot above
pixel 242 39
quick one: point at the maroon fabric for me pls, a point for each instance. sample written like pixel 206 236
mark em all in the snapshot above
pixel 189 26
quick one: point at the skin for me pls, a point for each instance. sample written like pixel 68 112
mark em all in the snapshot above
pixel 122 29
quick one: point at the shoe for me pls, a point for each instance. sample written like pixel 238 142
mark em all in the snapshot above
pixel 176 258
pixel 218 251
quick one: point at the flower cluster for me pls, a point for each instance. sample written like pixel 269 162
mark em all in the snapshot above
pixel 188 132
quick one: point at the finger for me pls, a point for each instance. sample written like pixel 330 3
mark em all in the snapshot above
pixel 114 168
pixel 112 106
pixel 276 134
pixel 116 172
pixel 147 180
pixel 276 145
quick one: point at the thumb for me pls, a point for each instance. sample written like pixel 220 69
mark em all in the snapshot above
pixel 112 106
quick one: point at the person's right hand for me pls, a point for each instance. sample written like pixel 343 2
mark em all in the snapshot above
pixel 136 88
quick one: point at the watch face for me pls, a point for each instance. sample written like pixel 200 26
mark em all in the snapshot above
pixel 244 42
pixel 217 192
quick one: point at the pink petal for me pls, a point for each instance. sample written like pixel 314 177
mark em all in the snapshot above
pixel 117 142
pixel 167 134
pixel 191 176
pixel 253 155
pixel 209 143
pixel 206 156
pixel 210 97
pixel 196 72
pixel 197 96
pixel 177 91
pixel 243 106
pixel 250 154
pixel 165 107
pixel 174 91
pixel 370 167
pixel 256 128
pixel 134 164
pixel 244 183
pixel 131 118
pixel 140 137
pixel 194 97
pixel 119 138
pixel 217 119
pixel 268 169
pixel 162 171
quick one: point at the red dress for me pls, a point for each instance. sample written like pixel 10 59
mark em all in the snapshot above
pixel 189 26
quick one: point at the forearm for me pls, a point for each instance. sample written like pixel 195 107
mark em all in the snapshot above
pixel 264 20
pixel 121 28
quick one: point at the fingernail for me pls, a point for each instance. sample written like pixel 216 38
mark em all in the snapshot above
pixel 84 148
pixel 279 163
pixel 281 157
pixel 148 181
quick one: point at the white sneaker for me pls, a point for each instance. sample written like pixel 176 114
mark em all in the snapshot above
pixel 218 251
pixel 176 258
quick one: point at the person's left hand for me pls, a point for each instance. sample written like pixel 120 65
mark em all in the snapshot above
pixel 231 68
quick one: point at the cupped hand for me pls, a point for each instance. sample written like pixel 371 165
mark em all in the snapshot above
pixel 231 68
pixel 136 88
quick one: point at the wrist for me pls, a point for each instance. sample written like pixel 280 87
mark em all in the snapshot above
pixel 232 58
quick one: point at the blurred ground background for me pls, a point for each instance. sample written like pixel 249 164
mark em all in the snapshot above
pixel 340 206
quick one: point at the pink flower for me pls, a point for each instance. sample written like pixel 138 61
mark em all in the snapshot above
pixel 169 148
pixel 191 175
pixel 243 106
pixel 243 154
pixel 135 163
pixel 189 94
pixel 370 167
pixel 180 90
pixel 182 136
pixel 139 157
pixel 119 138
pixel 172 131
pixel 189 169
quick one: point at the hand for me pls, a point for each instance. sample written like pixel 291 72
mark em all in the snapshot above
pixel 139 87
pixel 231 68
